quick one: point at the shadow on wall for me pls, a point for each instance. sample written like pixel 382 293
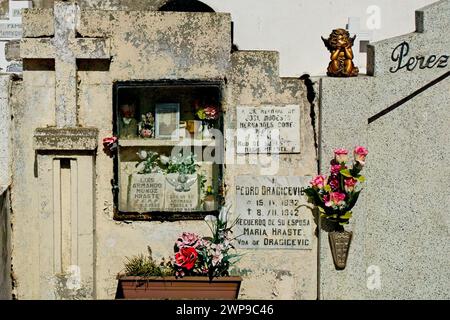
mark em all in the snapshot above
pixel 186 6
pixel 5 248
pixel 170 5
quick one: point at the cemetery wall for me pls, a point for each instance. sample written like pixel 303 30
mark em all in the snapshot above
pixel 146 47
pixel 400 223
pixel 5 133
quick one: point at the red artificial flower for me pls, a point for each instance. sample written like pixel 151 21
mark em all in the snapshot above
pixel 109 141
pixel 334 183
pixel 186 258
pixel 350 184
pixel 212 113
pixel 110 145
pixel 335 169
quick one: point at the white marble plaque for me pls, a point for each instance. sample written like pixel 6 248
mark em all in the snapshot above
pixel 271 215
pixel 146 192
pixel 182 192
pixel 268 129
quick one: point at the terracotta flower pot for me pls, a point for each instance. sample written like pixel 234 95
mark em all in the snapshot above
pixel 340 245
pixel 182 288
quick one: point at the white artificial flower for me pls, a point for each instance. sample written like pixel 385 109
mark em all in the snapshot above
pixel 142 154
pixel 211 218
pixel 223 215
pixel 140 167
pixel 217 259
pixel 164 159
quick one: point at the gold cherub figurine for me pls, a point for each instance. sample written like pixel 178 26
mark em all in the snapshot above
pixel 340 45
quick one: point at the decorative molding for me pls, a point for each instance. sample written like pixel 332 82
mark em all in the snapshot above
pixel 59 139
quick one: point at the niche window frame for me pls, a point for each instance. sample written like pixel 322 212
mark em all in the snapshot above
pixel 219 87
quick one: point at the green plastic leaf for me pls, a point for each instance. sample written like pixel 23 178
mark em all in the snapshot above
pixel 310 192
pixel 361 179
pixel 327 188
pixel 347 215
pixel 346 173
pixel 352 201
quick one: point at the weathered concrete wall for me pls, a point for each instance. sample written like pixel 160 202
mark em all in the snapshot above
pixel 138 5
pixel 5 247
pixel 400 248
pixel 274 25
pixel 164 45
pixel 149 46
pixel 25 238
pixel 284 274
pixel 5 181
pixel 5 133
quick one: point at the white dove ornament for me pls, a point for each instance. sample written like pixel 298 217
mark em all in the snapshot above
pixel 182 183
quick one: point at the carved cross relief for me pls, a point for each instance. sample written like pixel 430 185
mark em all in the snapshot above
pixel 65 48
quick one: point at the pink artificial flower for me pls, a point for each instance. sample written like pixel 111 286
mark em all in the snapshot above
pixel 341 155
pixel 146 133
pixel 334 183
pixel 360 154
pixel 334 199
pixel 188 239
pixel 335 169
pixel 350 184
pixel 318 181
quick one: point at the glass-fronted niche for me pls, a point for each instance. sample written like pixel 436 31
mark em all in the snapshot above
pixel 170 150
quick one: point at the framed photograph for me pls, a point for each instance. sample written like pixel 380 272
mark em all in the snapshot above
pixel 167 120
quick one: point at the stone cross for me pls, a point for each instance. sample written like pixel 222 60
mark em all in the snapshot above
pixel 362 36
pixel 65 48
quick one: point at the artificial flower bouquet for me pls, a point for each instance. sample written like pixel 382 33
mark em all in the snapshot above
pixel 194 255
pixel 199 269
pixel 153 162
pixel 206 256
pixel 335 195
pixel 206 111
pixel 146 126
pixel 208 114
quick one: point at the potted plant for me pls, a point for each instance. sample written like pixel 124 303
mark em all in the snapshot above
pixel 199 269
pixel 335 196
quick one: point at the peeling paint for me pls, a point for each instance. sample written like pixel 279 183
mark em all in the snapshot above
pixel 148 46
